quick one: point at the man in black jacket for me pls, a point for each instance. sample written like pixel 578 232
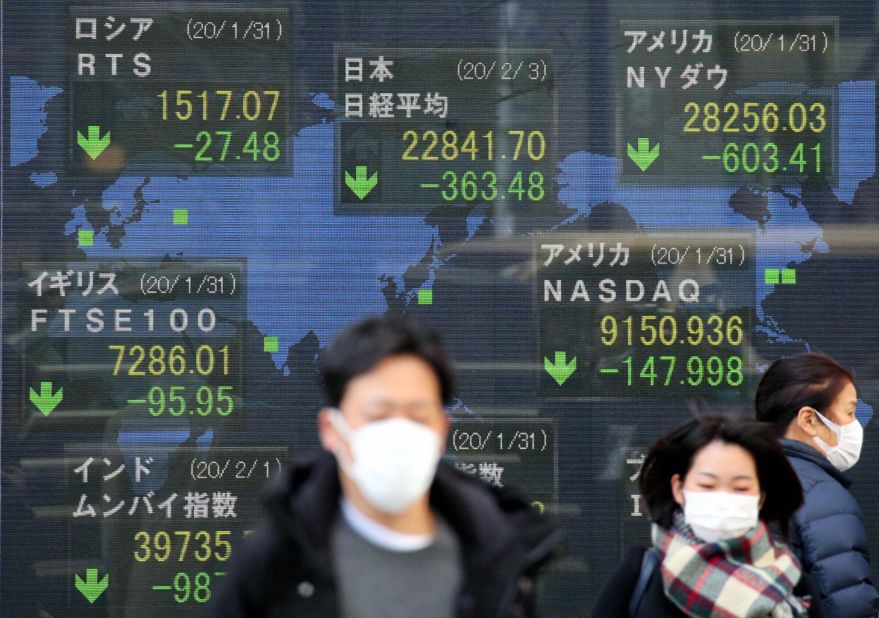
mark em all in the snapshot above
pixel 376 525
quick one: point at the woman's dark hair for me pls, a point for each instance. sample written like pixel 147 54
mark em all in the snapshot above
pixel 674 453
pixel 808 379
pixel 362 346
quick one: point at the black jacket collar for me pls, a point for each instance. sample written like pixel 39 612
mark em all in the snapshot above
pixel 800 450
pixel 305 501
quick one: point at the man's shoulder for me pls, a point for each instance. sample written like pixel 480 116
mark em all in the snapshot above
pixel 264 547
pixel 471 496
pixel 299 507
pixel 490 515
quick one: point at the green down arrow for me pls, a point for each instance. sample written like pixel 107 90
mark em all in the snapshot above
pixel 45 401
pixel 360 184
pixel 95 144
pixel 92 588
pixel 644 156
pixel 561 370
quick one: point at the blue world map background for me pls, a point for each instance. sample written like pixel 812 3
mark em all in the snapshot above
pixel 311 272
pixel 261 219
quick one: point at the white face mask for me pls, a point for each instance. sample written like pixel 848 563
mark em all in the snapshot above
pixel 719 515
pixel 849 440
pixel 394 460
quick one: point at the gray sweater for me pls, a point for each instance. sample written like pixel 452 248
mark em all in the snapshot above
pixel 375 582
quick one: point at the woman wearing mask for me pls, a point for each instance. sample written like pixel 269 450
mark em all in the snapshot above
pixel 710 487
pixel 810 399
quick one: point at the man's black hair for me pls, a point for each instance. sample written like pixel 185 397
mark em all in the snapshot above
pixel 809 379
pixel 361 347
pixel 674 453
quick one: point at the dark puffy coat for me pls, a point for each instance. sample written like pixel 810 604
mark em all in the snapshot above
pixel 284 569
pixel 828 536
pixel 613 602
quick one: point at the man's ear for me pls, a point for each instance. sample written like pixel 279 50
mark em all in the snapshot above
pixel 326 431
pixel 806 421
pixel 444 432
pixel 677 489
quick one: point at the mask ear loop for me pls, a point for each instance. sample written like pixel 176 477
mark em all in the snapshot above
pixel 833 427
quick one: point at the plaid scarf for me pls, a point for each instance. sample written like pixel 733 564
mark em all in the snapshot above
pixel 747 577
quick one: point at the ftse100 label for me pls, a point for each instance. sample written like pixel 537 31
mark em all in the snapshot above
pixel 159 341
pixel 628 314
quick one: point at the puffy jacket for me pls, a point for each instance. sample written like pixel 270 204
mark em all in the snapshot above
pixel 284 569
pixel 828 536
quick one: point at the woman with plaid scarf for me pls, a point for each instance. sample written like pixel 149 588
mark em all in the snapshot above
pixel 711 486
